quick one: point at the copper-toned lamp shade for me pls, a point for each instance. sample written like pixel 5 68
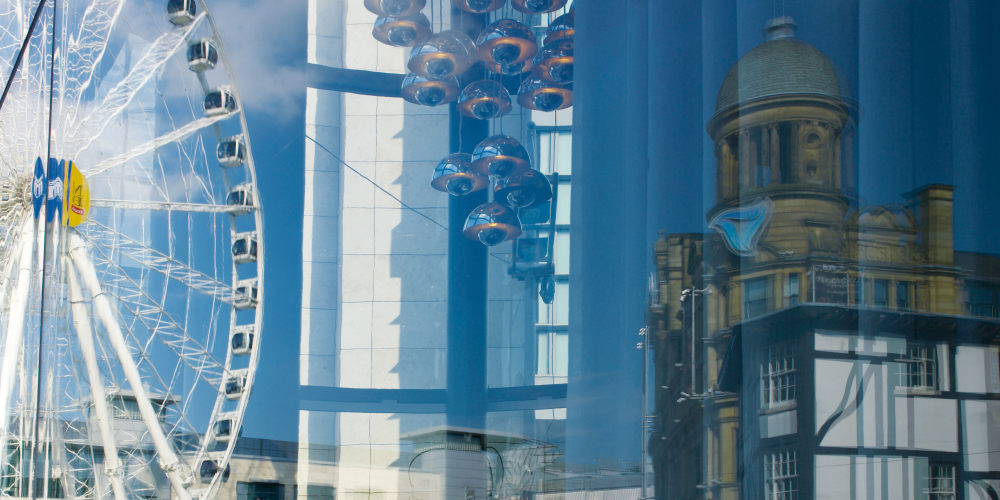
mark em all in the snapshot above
pixel 445 54
pixel 560 28
pixel 538 6
pixel 429 92
pixel 454 175
pixel 506 47
pixel 492 224
pixel 554 62
pixel 500 155
pixel 523 189
pixel 391 8
pixel 478 6
pixel 484 99
pixel 405 31
pixel 541 95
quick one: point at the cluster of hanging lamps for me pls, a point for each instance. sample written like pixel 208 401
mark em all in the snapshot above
pixel 505 47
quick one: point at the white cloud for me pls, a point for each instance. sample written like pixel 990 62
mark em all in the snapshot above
pixel 265 43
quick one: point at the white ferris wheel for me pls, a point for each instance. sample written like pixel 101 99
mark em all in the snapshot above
pixel 129 325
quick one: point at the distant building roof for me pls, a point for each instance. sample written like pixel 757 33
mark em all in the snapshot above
pixel 781 65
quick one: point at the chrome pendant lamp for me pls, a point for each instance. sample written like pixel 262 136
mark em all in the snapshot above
pixel 478 6
pixel 500 155
pixel 506 47
pixel 538 6
pixel 554 62
pixel 405 31
pixel 523 189
pixel 560 28
pixel 541 95
pixel 393 8
pixel 454 175
pixel 484 100
pixel 428 91
pixel 445 54
pixel 492 224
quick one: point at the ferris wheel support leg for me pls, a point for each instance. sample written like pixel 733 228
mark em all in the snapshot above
pixel 15 329
pixel 168 459
pixel 81 322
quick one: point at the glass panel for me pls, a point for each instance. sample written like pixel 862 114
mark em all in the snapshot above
pixel 563 208
pixel 542 354
pixel 561 354
pixel 562 251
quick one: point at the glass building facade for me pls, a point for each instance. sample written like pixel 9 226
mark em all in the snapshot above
pixel 781 283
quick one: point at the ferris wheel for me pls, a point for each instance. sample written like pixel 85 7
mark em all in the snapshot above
pixel 131 251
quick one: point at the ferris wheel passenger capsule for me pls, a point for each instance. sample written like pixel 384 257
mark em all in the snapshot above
pixel 209 468
pixel 220 101
pixel 245 295
pixel 202 55
pixel 181 12
pixel 245 248
pixel 234 385
pixel 223 428
pixel 242 340
pixel 231 152
pixel 240 199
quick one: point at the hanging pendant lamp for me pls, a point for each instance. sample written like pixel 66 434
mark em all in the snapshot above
pixel 560 28
pixel 478 6
pixel 445 54
pixel 484 100
pixel 405 31
pixel 428 91
pixel 524 189
pixel 538 6
pixel 554 62
pixel 492 224
pixel 541 95
pixel 394 8
pixel 506 47
pixel 500 155
pixel 454 175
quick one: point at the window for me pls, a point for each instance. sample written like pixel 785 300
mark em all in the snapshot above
pixel 859 291
pixel 756 297
pixel 919 368
pixel 983 299
pixel 941 482
pixel 777 376
pixel 553 353
pixel 880 293
pixel 903 295
pixel 792 292
pixel 260 491
pixel 781 478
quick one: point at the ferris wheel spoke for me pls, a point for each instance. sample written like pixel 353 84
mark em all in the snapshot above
pixel 168 138
pixel 88 129
pixel 81 322
pixel 170 206
pixel 88 48
pixel 167 456
pixel 102 236
pixel 15 329
pixel 137 302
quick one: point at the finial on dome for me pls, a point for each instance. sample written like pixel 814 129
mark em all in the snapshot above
pixel 779 28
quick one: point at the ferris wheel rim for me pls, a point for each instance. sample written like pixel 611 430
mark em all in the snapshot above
pixel 248 373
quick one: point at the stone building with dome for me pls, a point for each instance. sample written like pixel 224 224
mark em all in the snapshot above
pixel 811 346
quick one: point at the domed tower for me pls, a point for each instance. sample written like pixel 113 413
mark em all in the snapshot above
pixel 779 133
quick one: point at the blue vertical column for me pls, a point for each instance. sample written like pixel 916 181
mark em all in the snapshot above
pixel 467 276
pixel 609 255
